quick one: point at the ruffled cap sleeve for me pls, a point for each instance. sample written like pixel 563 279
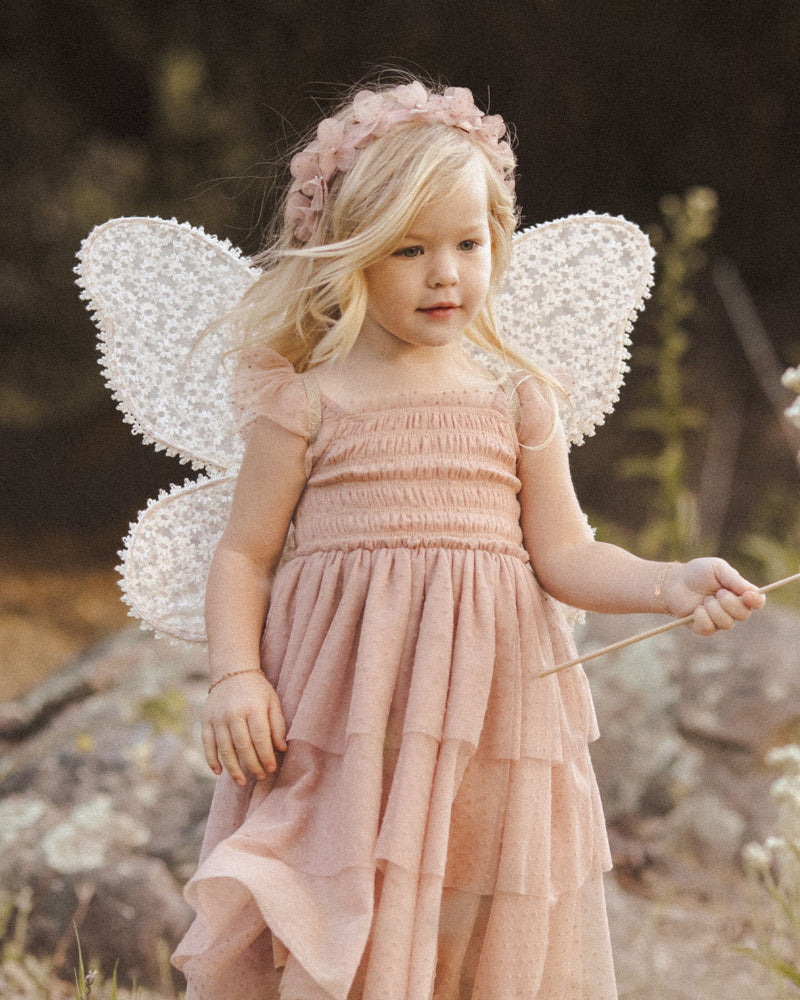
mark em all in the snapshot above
pixel 538 409
pixel 266 385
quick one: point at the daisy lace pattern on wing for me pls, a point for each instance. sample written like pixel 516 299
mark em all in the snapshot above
pixel 570 298
pixel 167 555
pixel 153 287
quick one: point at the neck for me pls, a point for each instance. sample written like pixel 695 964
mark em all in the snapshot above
pixel 397 355
pixel 368 373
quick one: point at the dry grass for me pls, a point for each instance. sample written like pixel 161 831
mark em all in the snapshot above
pixel 27 977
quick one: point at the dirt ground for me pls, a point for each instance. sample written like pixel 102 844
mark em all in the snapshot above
pixel 55 601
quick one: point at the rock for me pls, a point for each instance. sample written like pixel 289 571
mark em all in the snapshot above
pixel 686 722
pixel 744 694
pixel 704 830
pixel 103 803
pixel 130 913
pixel 640 757
pixel 669 949
pixel 104 793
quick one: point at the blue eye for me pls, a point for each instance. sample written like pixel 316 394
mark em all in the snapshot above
pixel 409 252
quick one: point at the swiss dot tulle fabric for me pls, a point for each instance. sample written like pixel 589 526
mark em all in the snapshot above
pixel 434 829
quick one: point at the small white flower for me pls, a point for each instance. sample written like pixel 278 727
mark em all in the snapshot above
pixel 787 791
pixel 756 858
pixel 791 378
pixel 787 756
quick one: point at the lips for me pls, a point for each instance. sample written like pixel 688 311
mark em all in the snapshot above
pixel 440 310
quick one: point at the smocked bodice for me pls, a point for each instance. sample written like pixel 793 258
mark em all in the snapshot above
pixel 436 474
pixel 406 641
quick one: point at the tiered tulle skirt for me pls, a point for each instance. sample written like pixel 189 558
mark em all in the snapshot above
pixel 434 829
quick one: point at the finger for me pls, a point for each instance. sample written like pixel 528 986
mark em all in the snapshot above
pixel 245 750
pixel 209 741
pixel 229 757
pixel 754 599
pixel 701 622
pixel 262 742
pixel 277 724
pixel 718 615
pixel 732 580
pixel 735 606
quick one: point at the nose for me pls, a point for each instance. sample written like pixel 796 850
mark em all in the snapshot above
pixel 443 270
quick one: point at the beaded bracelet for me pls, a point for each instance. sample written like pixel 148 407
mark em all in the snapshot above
pixel 235 673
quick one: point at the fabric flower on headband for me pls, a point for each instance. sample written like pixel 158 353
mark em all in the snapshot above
pixel 370 116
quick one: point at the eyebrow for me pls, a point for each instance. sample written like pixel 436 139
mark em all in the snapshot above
pixel 468 227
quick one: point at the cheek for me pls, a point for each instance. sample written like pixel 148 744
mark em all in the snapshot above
pixel 483 276
pixel 383 283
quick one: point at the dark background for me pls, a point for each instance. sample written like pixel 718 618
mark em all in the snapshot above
pixel 115 108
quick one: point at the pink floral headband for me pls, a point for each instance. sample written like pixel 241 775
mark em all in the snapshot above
pixel 371 115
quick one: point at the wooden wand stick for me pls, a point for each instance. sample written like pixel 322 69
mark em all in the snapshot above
pixel 653 631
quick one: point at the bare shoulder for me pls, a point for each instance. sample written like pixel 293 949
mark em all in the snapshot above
pixel 274 459
pixel 271 480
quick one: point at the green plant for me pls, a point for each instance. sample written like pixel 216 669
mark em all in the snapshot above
pixel 773 870
pixel 84 981
pixel 167 711
pixel 771 547
pixel 672 529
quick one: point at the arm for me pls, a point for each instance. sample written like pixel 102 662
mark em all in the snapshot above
pixel 600 577
pixel 242 721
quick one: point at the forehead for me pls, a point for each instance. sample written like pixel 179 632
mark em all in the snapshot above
pixel 465 205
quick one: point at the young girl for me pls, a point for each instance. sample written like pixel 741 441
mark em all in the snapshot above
pixel 408 810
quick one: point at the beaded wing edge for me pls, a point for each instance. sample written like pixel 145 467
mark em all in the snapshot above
pixel 156 290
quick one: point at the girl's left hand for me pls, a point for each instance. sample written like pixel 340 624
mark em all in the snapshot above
pixel 712 591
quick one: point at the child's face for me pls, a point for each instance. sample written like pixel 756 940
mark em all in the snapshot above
pixel 427 291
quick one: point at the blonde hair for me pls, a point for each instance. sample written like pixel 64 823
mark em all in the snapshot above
pixel 310 301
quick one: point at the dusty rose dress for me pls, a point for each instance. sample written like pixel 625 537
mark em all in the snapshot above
pixel 434 829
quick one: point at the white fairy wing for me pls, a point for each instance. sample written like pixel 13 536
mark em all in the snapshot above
pixel 167 556
pixel 153 287
pixel 569 300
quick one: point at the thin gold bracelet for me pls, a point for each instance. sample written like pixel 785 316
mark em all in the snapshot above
pixel 235 673
pixel 662 578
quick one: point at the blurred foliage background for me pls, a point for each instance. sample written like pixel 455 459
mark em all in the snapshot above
pixel 681 116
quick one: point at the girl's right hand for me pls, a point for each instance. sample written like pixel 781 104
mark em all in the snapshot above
pixel 242 727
